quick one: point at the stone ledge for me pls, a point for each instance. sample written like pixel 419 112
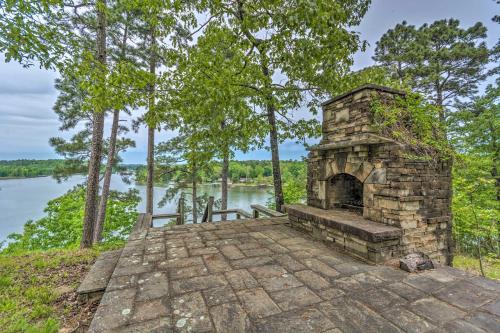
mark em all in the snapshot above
pixel 97 278
pixel 368 86
pixel 347 222
pixel 352 140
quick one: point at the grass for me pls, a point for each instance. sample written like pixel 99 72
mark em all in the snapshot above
pixel 491 266
pixel 37 290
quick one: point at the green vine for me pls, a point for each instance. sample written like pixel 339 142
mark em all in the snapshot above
pixel 414 122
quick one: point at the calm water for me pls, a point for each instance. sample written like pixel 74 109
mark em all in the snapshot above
pixel 25 199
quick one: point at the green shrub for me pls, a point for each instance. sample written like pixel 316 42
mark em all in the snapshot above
pixel 62 225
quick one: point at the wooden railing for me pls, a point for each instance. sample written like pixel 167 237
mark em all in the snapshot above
pixel 209 213
pixel 239 213
pixel 144 221
pixel 179 215
pixel 259 209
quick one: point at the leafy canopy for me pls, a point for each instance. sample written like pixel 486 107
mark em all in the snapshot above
pixel 299 50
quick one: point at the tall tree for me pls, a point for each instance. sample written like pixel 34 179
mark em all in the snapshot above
pixel 218 113
pixel 442 60
pixel 52 33
pixel 394 49
pixel 164 28
pixel 120 39
pixel 92 191
pixel 298 48
pixel 101 82
pixel 151 127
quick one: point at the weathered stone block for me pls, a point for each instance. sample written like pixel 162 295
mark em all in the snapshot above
pixel 342 115
pixel 387 203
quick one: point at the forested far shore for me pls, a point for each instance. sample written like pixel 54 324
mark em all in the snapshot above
pixel 250 172
pixel 25 168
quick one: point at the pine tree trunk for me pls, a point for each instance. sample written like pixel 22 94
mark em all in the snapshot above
pixel 194 196
pixel 150 171
pixel 224 177
pixel 92 193
pixel 101 214
pixel 151 130
pixel 439 103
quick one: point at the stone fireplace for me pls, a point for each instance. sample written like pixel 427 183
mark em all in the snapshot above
pixel 366 195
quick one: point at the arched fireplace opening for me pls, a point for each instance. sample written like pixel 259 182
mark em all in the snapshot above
pixel 345 191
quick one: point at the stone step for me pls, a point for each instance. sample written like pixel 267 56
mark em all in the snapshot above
pixel 96 280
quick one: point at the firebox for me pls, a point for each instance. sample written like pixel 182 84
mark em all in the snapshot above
pixel 362 185
pixel 345 191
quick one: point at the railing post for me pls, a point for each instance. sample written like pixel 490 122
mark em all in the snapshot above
pixel 149 218
pixel 180 210
pixel 210 208
pixel 255 214
pixel 238 216
pixel 204 217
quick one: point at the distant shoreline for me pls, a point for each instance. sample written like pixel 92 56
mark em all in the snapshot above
pixel 157 184
pixel 28 177
pixel 211 183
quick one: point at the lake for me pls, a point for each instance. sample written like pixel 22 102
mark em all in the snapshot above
pixel 24 199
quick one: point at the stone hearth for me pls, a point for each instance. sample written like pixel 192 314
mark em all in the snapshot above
pixel 355 169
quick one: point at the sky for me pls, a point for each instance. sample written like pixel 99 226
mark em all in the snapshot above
pixel 27 95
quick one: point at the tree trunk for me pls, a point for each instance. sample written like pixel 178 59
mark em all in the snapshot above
pixel 101 215
pixel 193 198
pixel 151 129
pixel 275 158
pixel 273 140
pixel 478 238
pixel 496 158
pixel 224 177
pixel 97 134
pixel 439 104
pixel 150 171
pixel 271 110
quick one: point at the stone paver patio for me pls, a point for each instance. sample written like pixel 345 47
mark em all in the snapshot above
pixel 263 276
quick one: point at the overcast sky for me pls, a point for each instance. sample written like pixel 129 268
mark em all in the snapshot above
pixel 27 95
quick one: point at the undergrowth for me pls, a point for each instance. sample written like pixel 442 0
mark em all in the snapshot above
pixel 38 290
pixel 470 264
